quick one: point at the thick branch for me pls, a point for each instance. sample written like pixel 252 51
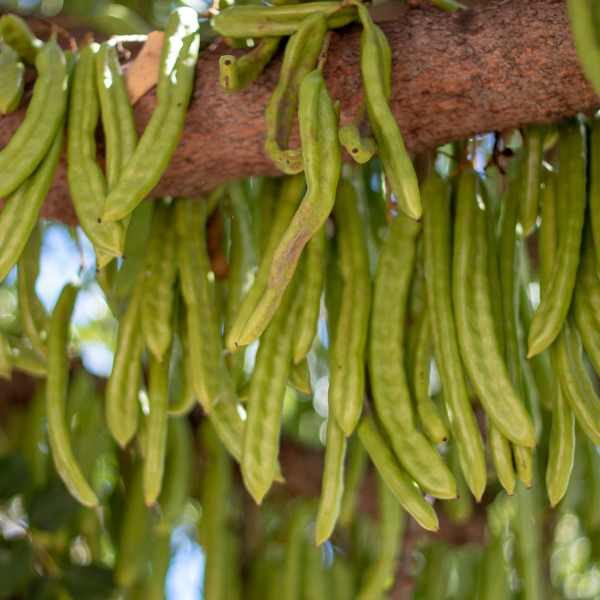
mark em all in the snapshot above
pixel 497 66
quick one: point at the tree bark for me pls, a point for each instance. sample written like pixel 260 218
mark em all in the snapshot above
pixel 500 65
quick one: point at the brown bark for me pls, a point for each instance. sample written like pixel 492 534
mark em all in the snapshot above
pixel 500 65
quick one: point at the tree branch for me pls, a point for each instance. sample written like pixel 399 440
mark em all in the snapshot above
pixel 497 66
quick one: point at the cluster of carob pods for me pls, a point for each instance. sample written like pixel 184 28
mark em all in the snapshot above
pixel 449 286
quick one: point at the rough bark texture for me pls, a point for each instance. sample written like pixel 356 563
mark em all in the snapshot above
pixel 497 66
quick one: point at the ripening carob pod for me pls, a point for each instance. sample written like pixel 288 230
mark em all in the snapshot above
pixel 160 275
pixel 380 575
pixel 86 180
pixel 391 393
pixel 211 380
pixel 571 184
pixel 15 32
pixel 559 279
pixel 265 398
pixel 156 423
pixel 585 38
pixel 34 319
pixel 561 444
pixel 290 196
pixel 531 178
pixel 117 113
pixel 264 21
pixel 12 81
pixel 21 209
pixel 162 134
pixel 45 116
pixel 242 262
pixel 57 384
pixel 332 485
pixel 479 347
pixel 311 288
pixel 400 484
pixel 375 64
pixel 348 330
pixel 300 58
pixel 236 73
pixel 509 258
pixel 122 388
pixel 437 239
pixel 216 497
pixel 430 418
pixel 500 448
pixel 322 165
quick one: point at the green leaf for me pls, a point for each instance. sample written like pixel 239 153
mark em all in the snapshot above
pixel 16 566
pixel 134 256
pixel 45 588
pixel 90 437
pixel 52 508
pixel 92 582
pixel 15 477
